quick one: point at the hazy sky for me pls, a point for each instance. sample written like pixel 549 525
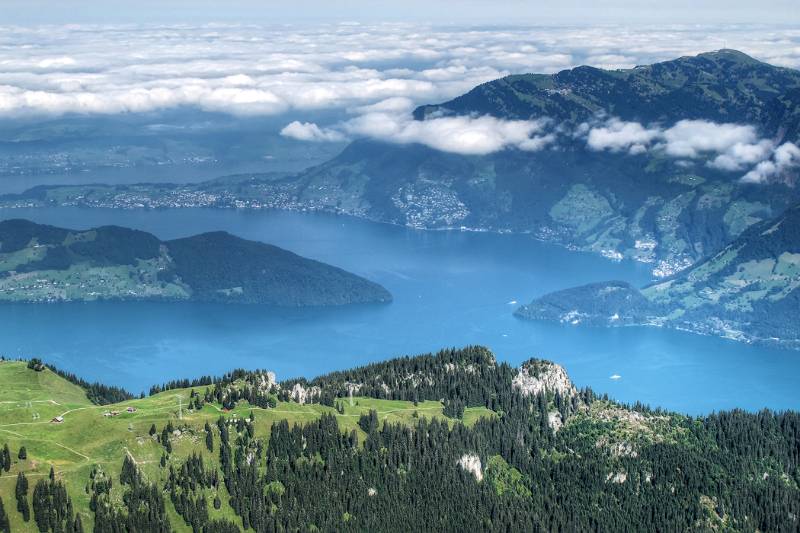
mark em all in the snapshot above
pixel 435 11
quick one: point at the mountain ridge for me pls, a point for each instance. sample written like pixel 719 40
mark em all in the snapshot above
pixel 638 93
pixel 47 263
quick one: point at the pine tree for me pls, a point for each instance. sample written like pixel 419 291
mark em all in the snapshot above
pixel 22 497
pixel 23 453
pixel 209 438
pixel 6 461
pixel 129 472
pixel 5 525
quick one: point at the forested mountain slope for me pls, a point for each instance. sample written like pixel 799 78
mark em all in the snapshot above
pixel 40 263
pixel 444 442
pixel 749 290
pixel 721 86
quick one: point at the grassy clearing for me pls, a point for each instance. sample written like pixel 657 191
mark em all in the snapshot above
pixel 581 209
pixel 86 439
pixel 83 282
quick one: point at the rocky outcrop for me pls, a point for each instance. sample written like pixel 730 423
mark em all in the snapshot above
pixel 622 448
pixel 617 477
pixel 471 463
pixel 555 420
pixel 538 376
pixel 302 394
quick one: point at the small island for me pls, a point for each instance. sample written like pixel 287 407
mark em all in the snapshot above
pixel 41 263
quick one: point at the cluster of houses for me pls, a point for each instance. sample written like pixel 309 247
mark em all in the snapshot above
pixel 109 414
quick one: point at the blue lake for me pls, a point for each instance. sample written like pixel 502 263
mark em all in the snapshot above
pixel 450 289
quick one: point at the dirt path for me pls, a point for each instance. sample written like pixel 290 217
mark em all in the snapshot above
pixel 31 401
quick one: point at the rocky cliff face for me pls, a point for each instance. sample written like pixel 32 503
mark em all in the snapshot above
pixel 537 376
pixel 301 394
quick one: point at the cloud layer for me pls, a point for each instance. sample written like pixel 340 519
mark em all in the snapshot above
pixel 726 147
pixel 375 74
pixel 265 70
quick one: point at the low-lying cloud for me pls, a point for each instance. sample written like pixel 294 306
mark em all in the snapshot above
pixel 690 138
pixel 785 157
pixel 460 135
pixel 727 147
pixel 308 131
pixel 616 136
pixel 375 74
pixel 267 70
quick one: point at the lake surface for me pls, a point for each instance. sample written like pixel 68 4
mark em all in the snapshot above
pixel 450 289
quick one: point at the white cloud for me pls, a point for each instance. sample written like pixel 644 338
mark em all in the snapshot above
pixel 396 104
pixel 689 138
pixel 308 131
pixel 617 135
pixel 740 155
pixel 785 157
pixel 461 135
pixel 737 144
pixel 728 147
pixel 378 73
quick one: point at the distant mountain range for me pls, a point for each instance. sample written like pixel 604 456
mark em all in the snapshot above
pixel 623 201
pixel 749 290
pixel 40 263
pixel 723 86
pixel 669 164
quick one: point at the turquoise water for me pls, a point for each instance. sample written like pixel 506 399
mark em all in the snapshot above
pixel 450 289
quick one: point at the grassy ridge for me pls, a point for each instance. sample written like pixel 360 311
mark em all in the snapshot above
pixel 85 440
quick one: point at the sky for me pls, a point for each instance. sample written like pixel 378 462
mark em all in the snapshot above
pixel 433 11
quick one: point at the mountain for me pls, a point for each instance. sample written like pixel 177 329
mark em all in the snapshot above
pixel 723 86
pixel 665 209
pixel 452 441
pixel 40 263
pixel 749 290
